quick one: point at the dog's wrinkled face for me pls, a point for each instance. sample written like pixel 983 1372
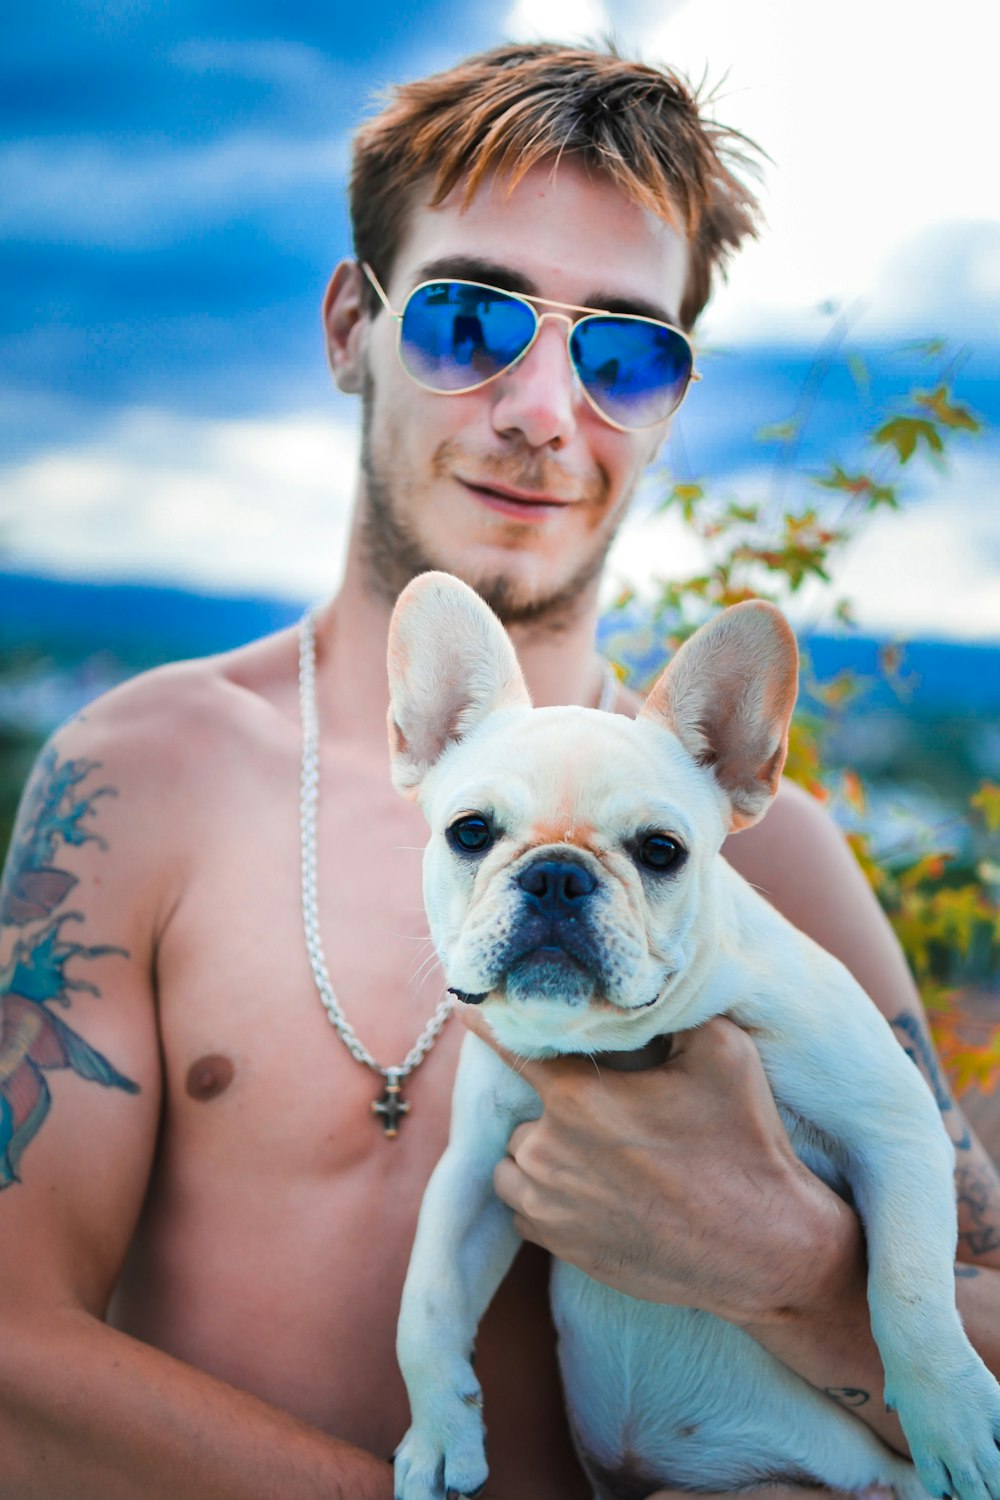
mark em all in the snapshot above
pixel 567 878
pixel 562 876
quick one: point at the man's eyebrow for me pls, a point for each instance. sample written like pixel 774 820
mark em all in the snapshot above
pixel 640 307
pixel 494 273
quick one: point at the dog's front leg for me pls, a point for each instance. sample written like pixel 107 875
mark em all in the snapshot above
pixel 464 1246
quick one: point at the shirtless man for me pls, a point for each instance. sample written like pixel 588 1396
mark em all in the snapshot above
pixel 204 1229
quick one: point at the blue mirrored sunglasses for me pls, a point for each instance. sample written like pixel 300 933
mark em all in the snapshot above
pixel 455 336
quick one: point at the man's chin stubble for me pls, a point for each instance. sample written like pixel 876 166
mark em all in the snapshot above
pixel 393 555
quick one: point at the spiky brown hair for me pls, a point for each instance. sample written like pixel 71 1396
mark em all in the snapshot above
pixel 504 111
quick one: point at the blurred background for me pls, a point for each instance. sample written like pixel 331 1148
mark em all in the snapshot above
pixel 175 465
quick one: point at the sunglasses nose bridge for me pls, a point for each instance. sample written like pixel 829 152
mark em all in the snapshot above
pixel 559 317
pixel 540 320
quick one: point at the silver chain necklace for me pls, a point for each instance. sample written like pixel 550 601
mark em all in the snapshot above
pixel 390 1106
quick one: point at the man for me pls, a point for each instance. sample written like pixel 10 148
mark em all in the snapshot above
pixel 203 1227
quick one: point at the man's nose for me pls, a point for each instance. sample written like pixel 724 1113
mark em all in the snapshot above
pixel 556 885
pixel 538 397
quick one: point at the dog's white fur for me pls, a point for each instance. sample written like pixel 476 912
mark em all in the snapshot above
pixel 700 1403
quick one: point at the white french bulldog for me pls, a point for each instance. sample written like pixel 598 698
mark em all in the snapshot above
pixel 575 890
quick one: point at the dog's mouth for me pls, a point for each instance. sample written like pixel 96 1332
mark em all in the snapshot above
pixel 550 972
pixel 538 974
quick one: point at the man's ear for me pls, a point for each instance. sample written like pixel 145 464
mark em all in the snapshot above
pixel 728 696
pixel 344 313
pixel 451 664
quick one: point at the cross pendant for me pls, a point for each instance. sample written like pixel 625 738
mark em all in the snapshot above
pixel 392 1106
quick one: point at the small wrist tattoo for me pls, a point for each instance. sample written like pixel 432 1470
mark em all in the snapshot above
pixel 847 1395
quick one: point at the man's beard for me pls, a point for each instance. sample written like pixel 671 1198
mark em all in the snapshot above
pixel 394 554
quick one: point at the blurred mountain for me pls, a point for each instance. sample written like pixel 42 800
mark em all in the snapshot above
pixel 131 626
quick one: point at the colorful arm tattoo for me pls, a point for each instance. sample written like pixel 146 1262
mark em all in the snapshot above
pixel 33 1039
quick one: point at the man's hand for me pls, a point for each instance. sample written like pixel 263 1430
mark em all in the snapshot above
pixel 677 1184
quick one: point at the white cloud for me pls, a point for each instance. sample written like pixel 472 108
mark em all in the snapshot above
pixel 556 20
pixel 233 505
pixel 880 129
pixel 263 506
pixel 880 126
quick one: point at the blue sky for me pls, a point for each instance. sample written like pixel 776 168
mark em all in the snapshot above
pixel 173 202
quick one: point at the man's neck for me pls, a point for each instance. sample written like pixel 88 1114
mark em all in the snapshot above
pixel 351 640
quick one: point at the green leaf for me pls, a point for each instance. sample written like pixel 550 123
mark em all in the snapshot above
pixel 860 374
pixel 777 432
pixel 686 496
pixel 987 803
pixel 904 434
pixel 746 513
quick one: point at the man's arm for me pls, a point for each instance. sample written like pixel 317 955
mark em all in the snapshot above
pixel 695 1155
pixel 84 1409
pixel 799 861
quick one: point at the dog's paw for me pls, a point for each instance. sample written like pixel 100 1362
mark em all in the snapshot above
pixel 444 1458
pixel 953 1428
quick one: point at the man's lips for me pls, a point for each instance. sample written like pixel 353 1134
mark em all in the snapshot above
pixel 524 504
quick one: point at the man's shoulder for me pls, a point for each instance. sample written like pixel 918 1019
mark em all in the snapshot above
pixel 797 829
pixel 175 720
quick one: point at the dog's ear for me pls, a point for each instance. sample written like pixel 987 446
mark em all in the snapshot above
pixel 728 696
pixel 450 664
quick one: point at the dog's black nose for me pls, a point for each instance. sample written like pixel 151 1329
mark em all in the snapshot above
pixel 552 883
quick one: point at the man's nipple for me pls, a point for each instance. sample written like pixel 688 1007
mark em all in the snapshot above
pixel 209 1077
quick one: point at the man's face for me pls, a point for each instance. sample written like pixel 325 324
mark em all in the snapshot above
pixel 517 487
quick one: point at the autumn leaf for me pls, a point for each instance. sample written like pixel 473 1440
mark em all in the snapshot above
pixel 860 486
pixel 947 412
pixel 969 1065
pixel 904 433
pixel 941 1000
pixel 802 763
pixel 954 915
pixel 840 690
pixel 853 791
pixel 986 801
pixel 929 867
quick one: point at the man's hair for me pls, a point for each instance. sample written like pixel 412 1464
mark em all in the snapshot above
pixel 504 111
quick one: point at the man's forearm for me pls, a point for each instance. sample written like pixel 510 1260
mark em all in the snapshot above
pixel 828 1340
pixel 826 1335
pixel 86 1411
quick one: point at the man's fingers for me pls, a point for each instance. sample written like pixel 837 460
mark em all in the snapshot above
pixel 519 1135
pixel 718 1040
pixel 508 1182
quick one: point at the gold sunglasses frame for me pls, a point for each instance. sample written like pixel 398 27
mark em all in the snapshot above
pixel 540 317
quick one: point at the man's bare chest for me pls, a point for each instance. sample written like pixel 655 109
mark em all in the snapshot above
pixel 243 1027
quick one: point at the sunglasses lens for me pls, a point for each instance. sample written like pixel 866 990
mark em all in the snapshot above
pixel 635 372
pixel 455 335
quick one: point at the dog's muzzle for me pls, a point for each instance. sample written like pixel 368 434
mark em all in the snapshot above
pixel 551 951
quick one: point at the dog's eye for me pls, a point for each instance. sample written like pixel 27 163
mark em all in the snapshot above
pixel 471 834
pixel 658 852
